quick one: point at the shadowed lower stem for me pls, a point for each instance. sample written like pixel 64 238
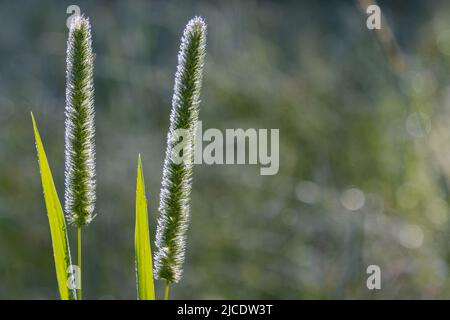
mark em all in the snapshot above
pixel 79 262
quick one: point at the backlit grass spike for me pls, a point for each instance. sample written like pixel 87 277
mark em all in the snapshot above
pixel 177 177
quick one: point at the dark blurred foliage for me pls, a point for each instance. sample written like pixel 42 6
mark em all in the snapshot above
pixel 364 151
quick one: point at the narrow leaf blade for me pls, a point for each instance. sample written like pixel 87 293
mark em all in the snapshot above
pixel 144 267
pixel 61 251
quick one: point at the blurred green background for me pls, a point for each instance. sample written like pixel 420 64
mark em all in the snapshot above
pixel 364 147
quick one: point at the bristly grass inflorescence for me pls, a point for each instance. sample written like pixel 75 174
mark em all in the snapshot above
pixel 177 177
pixel 80 130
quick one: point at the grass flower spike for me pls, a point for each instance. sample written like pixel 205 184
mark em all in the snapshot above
pixel 79 144
pixel 177 177
pixel 80 130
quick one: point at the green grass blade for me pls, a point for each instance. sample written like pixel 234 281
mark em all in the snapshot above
pixel 144 268
pixel 56 220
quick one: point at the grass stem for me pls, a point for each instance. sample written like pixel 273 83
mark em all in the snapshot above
pixel 79 261
pixel 166 294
